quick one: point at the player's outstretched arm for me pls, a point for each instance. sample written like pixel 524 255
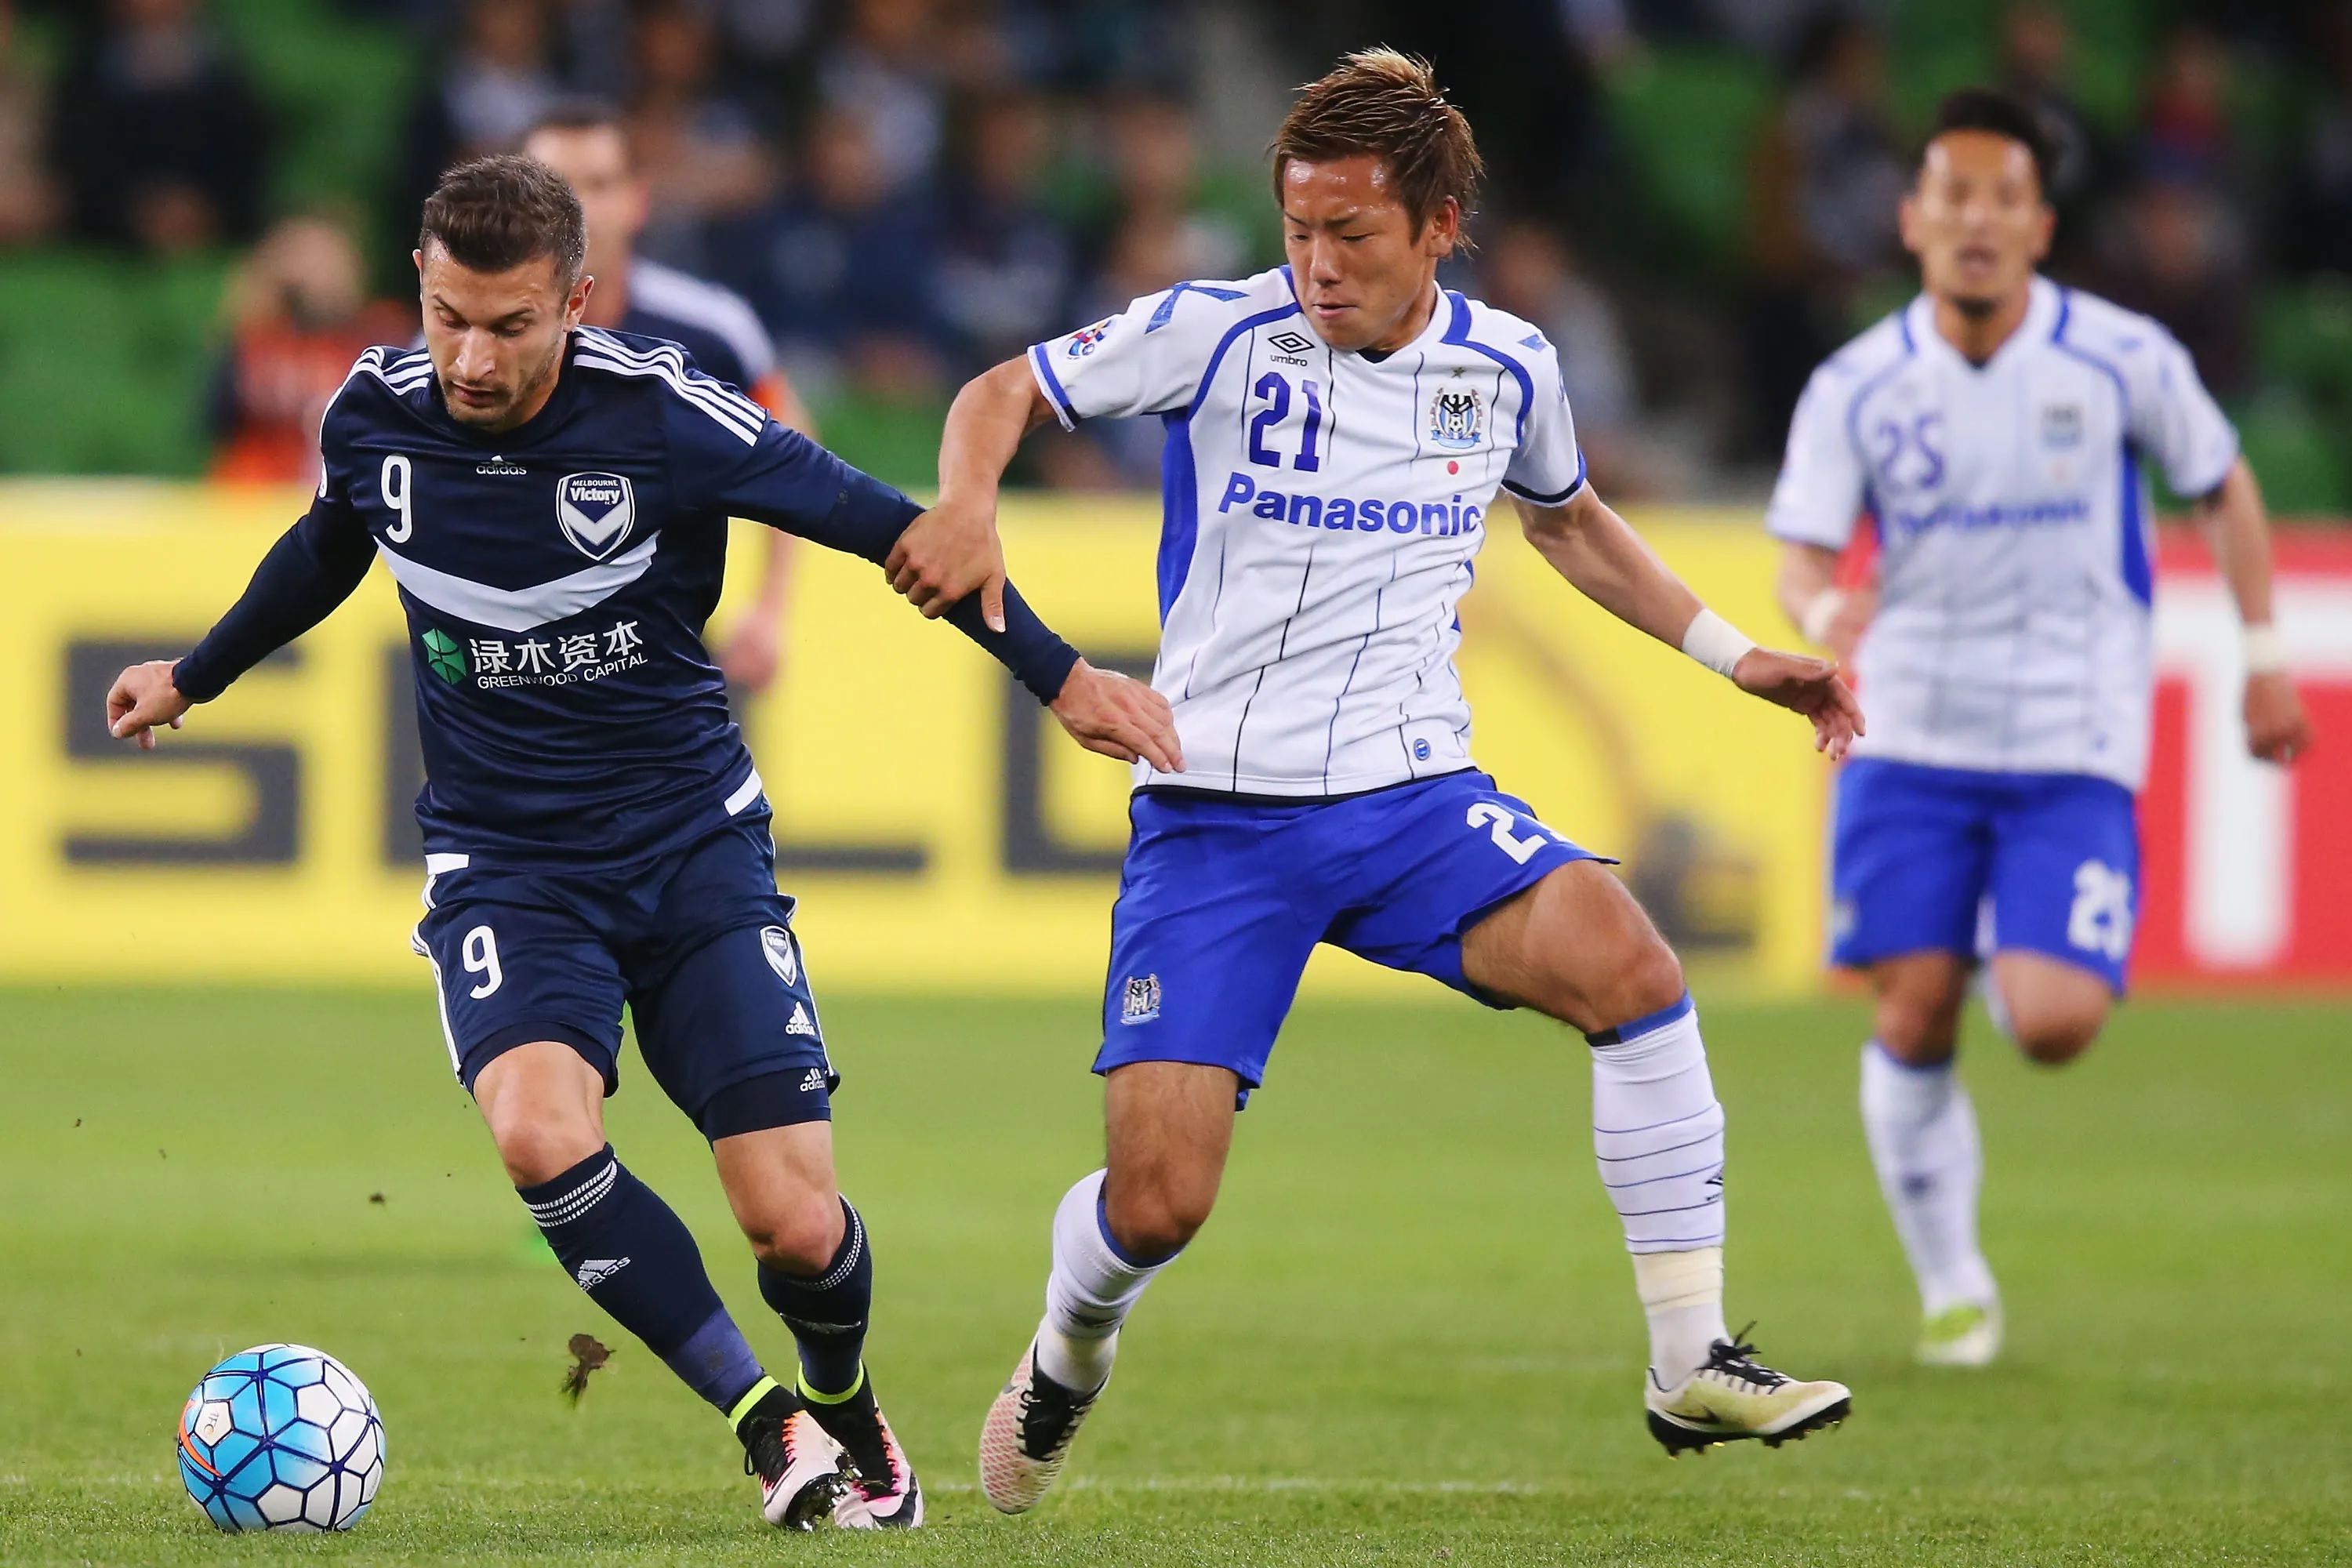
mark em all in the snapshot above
pixel 1603 559
pixel 313 567
pixel 789 482
pixel 2237 530
pixel 953 550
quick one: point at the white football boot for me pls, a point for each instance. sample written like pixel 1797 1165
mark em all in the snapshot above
pixel 803 1473
pixel 1964 1335
pixel 1734 1398
pixel 1027 1436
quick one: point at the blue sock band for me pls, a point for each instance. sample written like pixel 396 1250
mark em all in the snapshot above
pixel 635 1260
pixel 1634 1029
pixel 1110 1239
pixel 827 1314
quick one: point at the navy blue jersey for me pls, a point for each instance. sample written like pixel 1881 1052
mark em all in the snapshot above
pixel 556 579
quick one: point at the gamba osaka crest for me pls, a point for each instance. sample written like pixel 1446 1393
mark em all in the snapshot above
pixel 1140 1002
pixel 595 511
pixel 1457 417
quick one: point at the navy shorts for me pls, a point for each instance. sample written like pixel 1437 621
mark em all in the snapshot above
pixel 698 945
pixel 1220 902
pixel 1958 860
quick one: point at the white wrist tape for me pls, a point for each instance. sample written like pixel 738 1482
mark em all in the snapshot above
pixel 1716 642
pixel 1820 613
pixel 2264 654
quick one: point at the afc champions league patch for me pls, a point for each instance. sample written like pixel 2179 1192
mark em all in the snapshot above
pixel 1457 418
pixel 595 511
pixel 776 942
pixel 1140 1003
pixel 2062 425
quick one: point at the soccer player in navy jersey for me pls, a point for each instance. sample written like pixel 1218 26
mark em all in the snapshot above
pixel 587 142
pixel 552 500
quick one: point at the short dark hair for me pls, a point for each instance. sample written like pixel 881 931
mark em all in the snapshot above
pixel 1387 104
pixel 2001 114
pixel 495 213
pixel 578 111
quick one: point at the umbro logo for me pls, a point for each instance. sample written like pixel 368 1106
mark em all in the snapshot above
pixel 596 1271
pixel 801 1024
pixel 1288 346
pixel 813 1081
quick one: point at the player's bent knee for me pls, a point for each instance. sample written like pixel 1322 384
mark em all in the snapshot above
pixel 2057 1039
pixel 799 1236
pixel 1158 1221
pixel 537 1147
pixel 1654 981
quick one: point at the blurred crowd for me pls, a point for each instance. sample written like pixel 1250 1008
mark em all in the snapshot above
pixel 908 190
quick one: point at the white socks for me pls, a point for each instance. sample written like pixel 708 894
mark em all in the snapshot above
pixel 1681 1294
pixel 1923 1140
pixel 1657 1136
pixel 1089 1294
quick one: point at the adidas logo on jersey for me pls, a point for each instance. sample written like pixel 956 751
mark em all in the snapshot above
pixel 812 1082
pixel 596 1271
pixel 801 1024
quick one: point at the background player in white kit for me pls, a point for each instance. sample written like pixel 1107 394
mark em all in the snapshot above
pixel 1995 428
pixel 1336 433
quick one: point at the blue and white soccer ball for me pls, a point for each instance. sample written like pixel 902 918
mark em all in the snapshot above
pixel 281 1437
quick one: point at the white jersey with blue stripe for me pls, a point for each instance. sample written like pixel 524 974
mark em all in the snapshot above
pixel 2013 630
pixel 1321 510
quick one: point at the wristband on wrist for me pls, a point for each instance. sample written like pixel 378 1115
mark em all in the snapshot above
pixel 1716 642
pixel 1820 613
pixel 2264 653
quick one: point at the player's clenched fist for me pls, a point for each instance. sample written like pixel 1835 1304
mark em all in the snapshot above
pixel 142 698
pixel 1107 713
pixel 947 554
pixel 2276 729
pixel 1808 686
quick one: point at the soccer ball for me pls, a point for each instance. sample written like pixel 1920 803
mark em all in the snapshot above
pixel 281 1437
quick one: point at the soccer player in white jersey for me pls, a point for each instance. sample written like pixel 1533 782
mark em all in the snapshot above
pixel 1336 430
pixel 1995 427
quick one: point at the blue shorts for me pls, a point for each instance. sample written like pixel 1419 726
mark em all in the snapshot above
pixel 1957 860
pixel 1221 902
pixel 699 945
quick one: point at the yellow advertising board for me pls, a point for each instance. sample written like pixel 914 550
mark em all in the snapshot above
pixel 939 832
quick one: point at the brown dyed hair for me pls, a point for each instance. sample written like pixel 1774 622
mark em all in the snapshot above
pixel 1386 103
pixel 494 214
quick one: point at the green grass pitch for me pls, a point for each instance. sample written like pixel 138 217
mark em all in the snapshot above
pixel 1409 1336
